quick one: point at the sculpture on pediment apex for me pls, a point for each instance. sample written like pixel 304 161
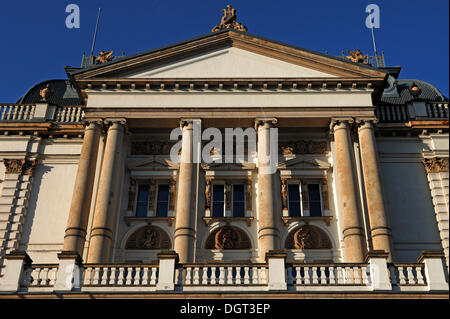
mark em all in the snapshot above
pixel 303 147
pixel 229 21
pixel 358 57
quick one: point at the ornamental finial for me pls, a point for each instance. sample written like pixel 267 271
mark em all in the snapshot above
pixel 229 21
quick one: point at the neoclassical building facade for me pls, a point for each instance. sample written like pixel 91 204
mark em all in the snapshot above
pixel 111 182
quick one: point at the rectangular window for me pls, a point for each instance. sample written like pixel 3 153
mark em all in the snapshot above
pixel 162 203
pixel 142 201
pixel 218 201
pixel 294 200
pixel 315 206
pixel 238 201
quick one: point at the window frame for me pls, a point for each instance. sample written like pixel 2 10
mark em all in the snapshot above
pixel 212 198
pixel 244 200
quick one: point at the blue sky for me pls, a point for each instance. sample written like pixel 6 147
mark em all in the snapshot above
pixel 35 44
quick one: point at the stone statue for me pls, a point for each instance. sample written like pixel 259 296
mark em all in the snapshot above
pixel 357 57
pixel 45 93
pixel 229 21
pixel 104 57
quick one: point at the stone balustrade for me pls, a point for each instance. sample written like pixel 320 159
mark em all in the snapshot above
pixel 428 275
pixel 217 277
pixel 40 112
pixel 17 112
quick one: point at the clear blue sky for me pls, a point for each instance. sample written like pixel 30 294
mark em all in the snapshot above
pixel 35 44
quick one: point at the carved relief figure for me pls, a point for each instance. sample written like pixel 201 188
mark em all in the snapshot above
pixel 307 237
pixel 148 237
pixel 20 166
pixel 172 192
pixel 228 196
pixel 228 237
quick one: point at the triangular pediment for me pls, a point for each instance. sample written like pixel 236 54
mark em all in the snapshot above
pixel 303 163
pixel 152 164
pixel 228 54
pixel 228 166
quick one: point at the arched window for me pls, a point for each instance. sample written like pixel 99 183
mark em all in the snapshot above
pixel 228 237
pixel 307 237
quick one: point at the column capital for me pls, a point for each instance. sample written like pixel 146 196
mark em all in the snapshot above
pixel 366 123
pixel 269 122
pixel 187 123
pixel 113 121
pixel 340 123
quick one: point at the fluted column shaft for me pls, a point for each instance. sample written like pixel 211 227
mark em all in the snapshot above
pixel 268 232
pixel 350 213
pixel 75 235
pixel 101 234
pixel 184 235
pixel 380 232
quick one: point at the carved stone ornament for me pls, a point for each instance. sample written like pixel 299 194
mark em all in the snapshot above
pixel 228 237
pixel 229 21
pixel 358 57
pixel 172 193
pixel 435 164
pixel 208 195
pixel 151 148
pixel 148 237
pixel 284 194
pixel 307 237
pixel 45 93
pixel 249 196
pixel 20 166
pixel 303 147
pixel 104 57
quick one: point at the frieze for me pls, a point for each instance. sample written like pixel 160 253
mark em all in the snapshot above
pixel 303 147
pixel 151 148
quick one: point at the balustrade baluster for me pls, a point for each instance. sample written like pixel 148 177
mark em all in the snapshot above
pixel 298 276
pixel 238 276
pixel 332 279
pixel 96 276
pixel 87 276
pixel 222 276
pixel 340 275
pixel 262 276
pixel 213 276
pixel 121 277
pixel 409 272
pixel 229 277
pixel 307 276
pixel 112 276
pixel 314 275
pixel 401 275
pixel 246 275
pixel 365 279
pixel 153 276
pixel 204 275
pixel 137 276
pixel 356 276
pixel 420 280
pixel 187 280
pixel 255 279
pixel 196 276
pixel 323 276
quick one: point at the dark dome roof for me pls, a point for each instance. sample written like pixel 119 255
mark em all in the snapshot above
pixel 428 93
pixel 64 93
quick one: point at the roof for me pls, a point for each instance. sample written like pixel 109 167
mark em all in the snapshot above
pixel 428 93
pixel 64 93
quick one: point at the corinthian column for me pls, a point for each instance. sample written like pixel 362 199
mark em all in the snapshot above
pixel 75 235
pixel 268 232
pixel 184 235
pixel 101 234
pixel 380 232
pixel 350 214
